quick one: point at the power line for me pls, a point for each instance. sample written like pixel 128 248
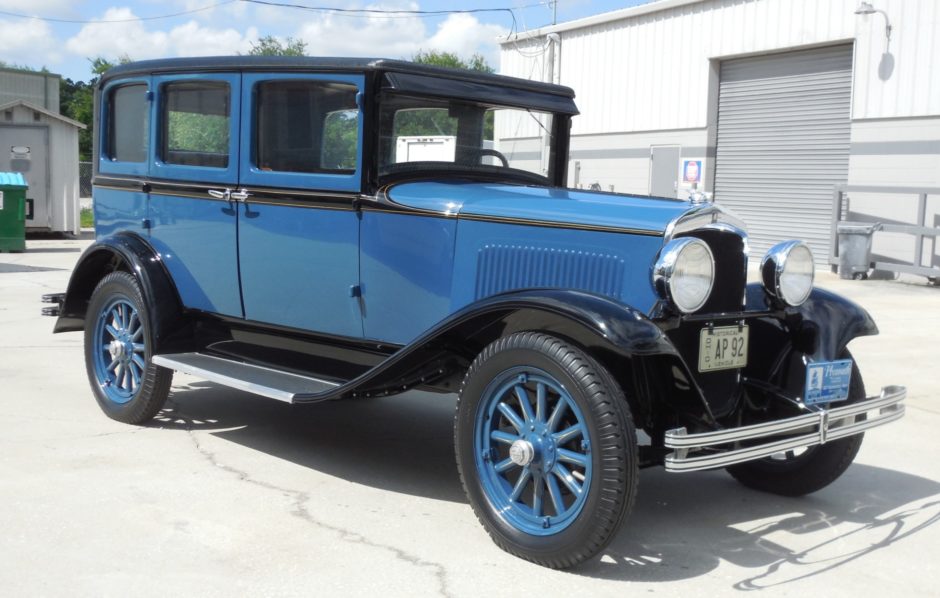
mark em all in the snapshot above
pixel 130 20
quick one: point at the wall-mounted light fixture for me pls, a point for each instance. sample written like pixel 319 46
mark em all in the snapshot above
pixel 865 8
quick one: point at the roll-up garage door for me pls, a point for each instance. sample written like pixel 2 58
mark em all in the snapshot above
pixel 783 143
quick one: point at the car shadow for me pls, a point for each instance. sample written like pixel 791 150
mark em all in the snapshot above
pixel 681 527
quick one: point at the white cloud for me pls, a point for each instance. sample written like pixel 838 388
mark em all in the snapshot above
pixel 464 35
pixel 28 42
pixel 135 40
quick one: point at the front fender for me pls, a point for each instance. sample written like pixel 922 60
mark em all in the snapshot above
pixel 611 332
pixel 826 322
pixel 128 252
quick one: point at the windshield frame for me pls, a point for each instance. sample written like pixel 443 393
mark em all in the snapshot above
pixel 557 160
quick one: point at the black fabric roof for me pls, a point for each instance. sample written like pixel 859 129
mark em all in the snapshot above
pixel 302 63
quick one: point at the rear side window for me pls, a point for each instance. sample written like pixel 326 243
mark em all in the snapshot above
pixel 196 123
pixel 307 127
pixel 129 124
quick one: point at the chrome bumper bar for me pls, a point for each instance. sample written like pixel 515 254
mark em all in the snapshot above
pixel 813 429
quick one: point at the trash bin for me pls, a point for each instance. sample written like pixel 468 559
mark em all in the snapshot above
pixel 855 248
pixel 12 211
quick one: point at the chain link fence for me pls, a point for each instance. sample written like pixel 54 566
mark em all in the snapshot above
pixel 84 179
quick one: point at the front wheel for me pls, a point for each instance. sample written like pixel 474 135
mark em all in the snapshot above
pixel 546 449
pixel 118 346
pixel 803 471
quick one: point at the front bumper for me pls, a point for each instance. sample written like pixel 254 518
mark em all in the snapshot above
pixel 708 450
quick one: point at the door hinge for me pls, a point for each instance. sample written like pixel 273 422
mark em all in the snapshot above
pixel 145 223
pixel 355 291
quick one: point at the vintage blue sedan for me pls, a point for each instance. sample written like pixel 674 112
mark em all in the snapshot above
pixel 321 229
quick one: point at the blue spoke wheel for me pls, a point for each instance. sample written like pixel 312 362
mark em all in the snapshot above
pixel 546 449
pixel 118 343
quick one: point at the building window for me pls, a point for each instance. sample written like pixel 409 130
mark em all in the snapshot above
pixel 8 115
pixel 36 116
pixel 196 124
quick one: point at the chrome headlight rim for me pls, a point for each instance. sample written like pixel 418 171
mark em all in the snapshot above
pixel 665 268
pixel 774 265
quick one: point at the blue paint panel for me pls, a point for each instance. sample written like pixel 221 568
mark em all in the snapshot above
pixel 250 174
pixel 298 265
pixel 551 257
pixel 196 240
pixel 565 206
pixel 105 164
pixel 407 268
pixel 119 210
pixel 227 176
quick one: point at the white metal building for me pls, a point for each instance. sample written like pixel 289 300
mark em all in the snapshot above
pixel 766 103
pixel 40 143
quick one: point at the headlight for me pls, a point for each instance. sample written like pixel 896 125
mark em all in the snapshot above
pixel 787 272
pixel 684 273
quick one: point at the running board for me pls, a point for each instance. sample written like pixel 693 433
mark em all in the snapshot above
pixel 256 379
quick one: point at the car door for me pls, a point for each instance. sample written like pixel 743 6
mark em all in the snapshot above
pixel 298 226
pixel 193 171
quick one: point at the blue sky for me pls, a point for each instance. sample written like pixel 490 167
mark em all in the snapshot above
pixel 230 26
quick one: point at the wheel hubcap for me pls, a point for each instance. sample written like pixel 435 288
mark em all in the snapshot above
pixel 522 452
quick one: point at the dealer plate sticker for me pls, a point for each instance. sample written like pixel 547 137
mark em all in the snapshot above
pixel 828 381
pixel 722 348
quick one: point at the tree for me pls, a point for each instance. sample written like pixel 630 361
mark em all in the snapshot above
pixel 438 58
pixel 271 46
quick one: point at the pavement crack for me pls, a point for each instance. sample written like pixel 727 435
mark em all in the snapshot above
pixel 301 511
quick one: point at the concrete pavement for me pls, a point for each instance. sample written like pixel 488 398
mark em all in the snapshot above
pixel 227 493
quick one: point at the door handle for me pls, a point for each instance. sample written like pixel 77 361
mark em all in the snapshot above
pixel 223 194
pixel 240 195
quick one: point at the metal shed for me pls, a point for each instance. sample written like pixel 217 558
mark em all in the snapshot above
pixel 43 146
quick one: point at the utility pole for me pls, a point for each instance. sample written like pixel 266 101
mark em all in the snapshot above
pixel 554 12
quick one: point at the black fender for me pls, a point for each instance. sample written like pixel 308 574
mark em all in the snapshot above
pixel 130 253
pixel 824 325
pixel 613 333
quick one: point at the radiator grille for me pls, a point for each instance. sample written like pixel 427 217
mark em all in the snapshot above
pixel 506 267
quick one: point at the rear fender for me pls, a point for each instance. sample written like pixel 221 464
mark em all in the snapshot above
pixel 130 253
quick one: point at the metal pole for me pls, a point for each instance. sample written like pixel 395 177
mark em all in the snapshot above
pixel 554 11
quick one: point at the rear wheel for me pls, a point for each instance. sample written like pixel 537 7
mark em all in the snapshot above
pixel 803 471
pixel 546 449
pixel 118 351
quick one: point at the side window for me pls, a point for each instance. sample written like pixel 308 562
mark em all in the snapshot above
pixel 196 123
pixel 128 124
pixel 307 127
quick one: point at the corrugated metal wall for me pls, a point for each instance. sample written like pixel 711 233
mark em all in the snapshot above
pixel 41 89
pixel 783 143
pixel 651 71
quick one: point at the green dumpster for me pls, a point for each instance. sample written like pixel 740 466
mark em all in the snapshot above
pixel 12 211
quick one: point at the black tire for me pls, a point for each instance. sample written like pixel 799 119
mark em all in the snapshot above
pixel 608 487
pixel 141 401
pixel 811 470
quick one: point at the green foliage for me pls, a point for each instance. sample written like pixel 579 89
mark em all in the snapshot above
pixel 271 46
pixel 195 132
pixel 76 100
pixel 86 218
pixel 451 60
pixel 23 67
pixel 340 136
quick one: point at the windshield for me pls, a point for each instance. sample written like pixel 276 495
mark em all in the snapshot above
pixel 421 134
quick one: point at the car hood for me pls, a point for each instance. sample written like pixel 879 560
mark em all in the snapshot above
pixel 518 203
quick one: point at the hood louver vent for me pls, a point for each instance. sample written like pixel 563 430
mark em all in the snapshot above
pixel 506 267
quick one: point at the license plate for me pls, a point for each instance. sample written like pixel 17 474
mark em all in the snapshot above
pixel 722 348
pixel 827 381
